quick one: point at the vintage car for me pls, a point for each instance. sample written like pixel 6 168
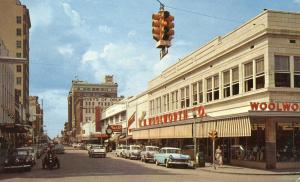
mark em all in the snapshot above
pixel 97 150
pixel 32 153
pixel 147 154
pixel 19 159
pixel 133 152
pixel 59 149
pixel 120 150
pixel 170 156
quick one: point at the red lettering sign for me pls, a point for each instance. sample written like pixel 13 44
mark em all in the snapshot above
pixel 272 106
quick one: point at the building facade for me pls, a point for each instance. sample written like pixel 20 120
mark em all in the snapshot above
pixel 36 119
pixel 86 99
pixel 245 85
pixel 15 23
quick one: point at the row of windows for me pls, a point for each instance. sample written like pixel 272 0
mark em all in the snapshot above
pixel 97 89
pixel 99 103
pixel 227 80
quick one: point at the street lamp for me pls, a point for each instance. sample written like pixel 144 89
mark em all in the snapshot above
pixel 194 136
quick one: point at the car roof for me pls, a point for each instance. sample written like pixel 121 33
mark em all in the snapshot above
pixel 152 146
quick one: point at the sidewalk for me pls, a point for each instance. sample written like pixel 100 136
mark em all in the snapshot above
pixel 226 169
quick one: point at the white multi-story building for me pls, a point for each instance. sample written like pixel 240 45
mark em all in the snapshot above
pixel 245 85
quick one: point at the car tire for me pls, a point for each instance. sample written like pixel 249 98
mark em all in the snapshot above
pixel 157 163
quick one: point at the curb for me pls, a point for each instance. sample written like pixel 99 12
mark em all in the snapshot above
pixel 237 173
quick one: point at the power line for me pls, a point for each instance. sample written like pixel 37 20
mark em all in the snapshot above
pixel 200 14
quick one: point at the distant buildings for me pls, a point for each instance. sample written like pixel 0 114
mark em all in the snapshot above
pixel 86 100
pixel 36 119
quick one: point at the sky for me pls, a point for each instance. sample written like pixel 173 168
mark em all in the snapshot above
pixel 87 39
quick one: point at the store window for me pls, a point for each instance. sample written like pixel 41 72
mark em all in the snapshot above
pixel 250 148
pixel 235 81
pixel 200 90
pixel 182 94
pixel 248 76
pixel 209 89
pixel 216 87
pixel 187 96
pixel 194 88
pixel 297 72
pixel 282 71
pixel 260 73
pixel 226 84
pixel 288 142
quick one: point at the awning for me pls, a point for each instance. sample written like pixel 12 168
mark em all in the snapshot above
pixel 231 127
pixel 141 134
pixel 126 138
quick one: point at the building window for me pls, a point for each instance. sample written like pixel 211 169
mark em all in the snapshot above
pixel 235 81
pixel 248 76
pixel 216 87
pixel 260 73
pixel 172 100
pixel 19 68
pixel 226 84
pixel 209 89
pixel 182 98
pixel 297 72
pixel 282 71
pixel 200 91
pixel 19 32
pixel 158 105
pixel 19 19
pixel 176 99
pixel 187 96
pixel 194 88
pixel 18 54
pixel 19 44
pixel 19 80
pixel 164 103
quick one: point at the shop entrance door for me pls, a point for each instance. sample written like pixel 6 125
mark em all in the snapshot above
pixel 224 143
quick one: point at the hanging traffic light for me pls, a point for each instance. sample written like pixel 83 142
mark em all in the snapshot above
pixel 156 26
pixel 167 26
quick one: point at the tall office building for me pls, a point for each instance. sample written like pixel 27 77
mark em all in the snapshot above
pixel 83 100
pixel 14 31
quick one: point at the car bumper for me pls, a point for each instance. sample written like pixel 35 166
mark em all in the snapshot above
pixel 178 163
pixel 17 167
pixel 98 154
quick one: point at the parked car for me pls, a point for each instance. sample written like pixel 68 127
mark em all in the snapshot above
pixel 97 150
pixel 188 150
pixel 133 152
pixel 59 149
pixel 32 153
pixel 19 159
pixel 170 156
pixel 120 151
pixel 147 154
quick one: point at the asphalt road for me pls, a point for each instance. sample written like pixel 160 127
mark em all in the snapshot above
pixel 77 166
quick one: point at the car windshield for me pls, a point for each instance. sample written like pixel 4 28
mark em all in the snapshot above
pixel 173 151
pixel 22 152
pixel 152 148
pixel 135 148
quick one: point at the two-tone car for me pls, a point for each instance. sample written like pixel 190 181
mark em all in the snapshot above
pixel 133 152
pixel 170 156
pixel 97 150
pixel 19 159
pixel 147 154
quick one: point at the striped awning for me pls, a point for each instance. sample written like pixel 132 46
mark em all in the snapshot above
pixel 231 127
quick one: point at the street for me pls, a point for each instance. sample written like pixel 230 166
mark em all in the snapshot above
pixel 77 166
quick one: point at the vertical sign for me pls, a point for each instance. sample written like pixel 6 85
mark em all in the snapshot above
pixel 98 112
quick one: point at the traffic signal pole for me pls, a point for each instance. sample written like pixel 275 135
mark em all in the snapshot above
pixel 214 164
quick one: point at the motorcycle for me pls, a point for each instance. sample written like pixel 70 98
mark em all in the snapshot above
pixel 51 161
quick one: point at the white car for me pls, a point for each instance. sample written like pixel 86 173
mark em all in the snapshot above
pixel 120 151
pixel 97 150
pixel 133 152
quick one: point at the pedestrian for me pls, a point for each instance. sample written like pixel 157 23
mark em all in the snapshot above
pixel 219 156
